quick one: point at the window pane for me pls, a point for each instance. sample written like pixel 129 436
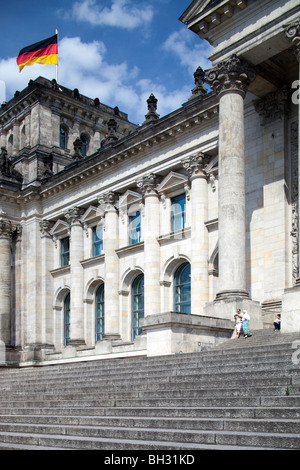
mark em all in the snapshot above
pixel 135 228
pixel 99 314
pixel 137 305
pixel 178 204
pixel 67 319
pixel 65 251
pixel 182 289
pixel 63 138
pixel 97 240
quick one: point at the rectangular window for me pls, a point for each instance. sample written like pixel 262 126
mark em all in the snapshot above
pixel 178 205
pixel 135 228
pixel 97 240
pixel 65 251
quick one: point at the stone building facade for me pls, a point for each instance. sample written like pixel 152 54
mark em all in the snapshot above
pixel 118 240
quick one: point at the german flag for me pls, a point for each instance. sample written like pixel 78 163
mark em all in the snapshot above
pixel 42 52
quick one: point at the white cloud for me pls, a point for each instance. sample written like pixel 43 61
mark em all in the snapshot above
pixel 122 14
pixel 84 66
pixel 191 55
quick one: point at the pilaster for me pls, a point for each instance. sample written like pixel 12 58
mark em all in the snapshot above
pixel 6 231
pixel 77 336
pixel 195 165
pixel 148 186
pixel 108 204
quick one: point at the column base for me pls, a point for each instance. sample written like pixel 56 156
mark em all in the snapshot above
pixel 226 308
pixel 232 295
pixel 290 313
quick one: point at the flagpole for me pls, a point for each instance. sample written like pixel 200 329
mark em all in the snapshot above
pixel 56 66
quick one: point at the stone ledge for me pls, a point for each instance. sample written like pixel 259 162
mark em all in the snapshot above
pixel 168 319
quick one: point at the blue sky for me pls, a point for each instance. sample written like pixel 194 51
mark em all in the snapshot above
pixel 120 51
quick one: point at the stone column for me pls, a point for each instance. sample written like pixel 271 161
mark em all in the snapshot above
pixel 290 320
pixel 6 231
pixel 230 80
pixel 108 204
pixel 293 33
pixel 76 255
pixel 199 235
pixel 151 245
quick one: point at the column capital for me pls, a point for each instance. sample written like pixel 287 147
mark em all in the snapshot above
pixel 231 75
pixel 148 185
pixel 292 32
pixel 73 216
pixel 108 201
pixel 195 165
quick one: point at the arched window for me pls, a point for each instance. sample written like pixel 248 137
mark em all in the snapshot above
pixel 99 313
pixel 182 289
pixel 67 310
pixel 137 303
pixel 84 145
pixel 63 137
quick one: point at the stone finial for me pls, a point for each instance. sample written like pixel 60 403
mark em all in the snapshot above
pixel 231 75
pixel 152 107
pixel 292 32
pixel 199 89
pixel 77 149
pixel 112 126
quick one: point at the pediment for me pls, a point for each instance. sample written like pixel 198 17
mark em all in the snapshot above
pixel 60 227
pixel 129 198
pixel 92 214
pixel 196 8
pixel 172 182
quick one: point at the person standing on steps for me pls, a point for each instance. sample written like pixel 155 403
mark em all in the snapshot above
pixel 245 324
pixel 238 322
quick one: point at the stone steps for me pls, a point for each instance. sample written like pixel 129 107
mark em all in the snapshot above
pixel 243 396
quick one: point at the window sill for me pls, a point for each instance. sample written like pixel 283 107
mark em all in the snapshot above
pixel 86 263
pixel 61 271
pixel 130 248
pixel 178 235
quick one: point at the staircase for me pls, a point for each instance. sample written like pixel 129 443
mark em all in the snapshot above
pixel 244 394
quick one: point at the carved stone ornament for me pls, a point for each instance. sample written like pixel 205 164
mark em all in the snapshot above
pixel 45 227
pixel 231 75
pixel 195 164
pixel 6 229
pixel 292 32
pixel 108 201
pixel 273 106
pixel 148 184
pixel 73 216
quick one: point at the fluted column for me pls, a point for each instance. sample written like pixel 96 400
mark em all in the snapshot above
pixel 199 235
pixel 6 231
pixel 108 204
pixel 151 246
pixel 230 80
pixel 293 33
pixel 76 255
